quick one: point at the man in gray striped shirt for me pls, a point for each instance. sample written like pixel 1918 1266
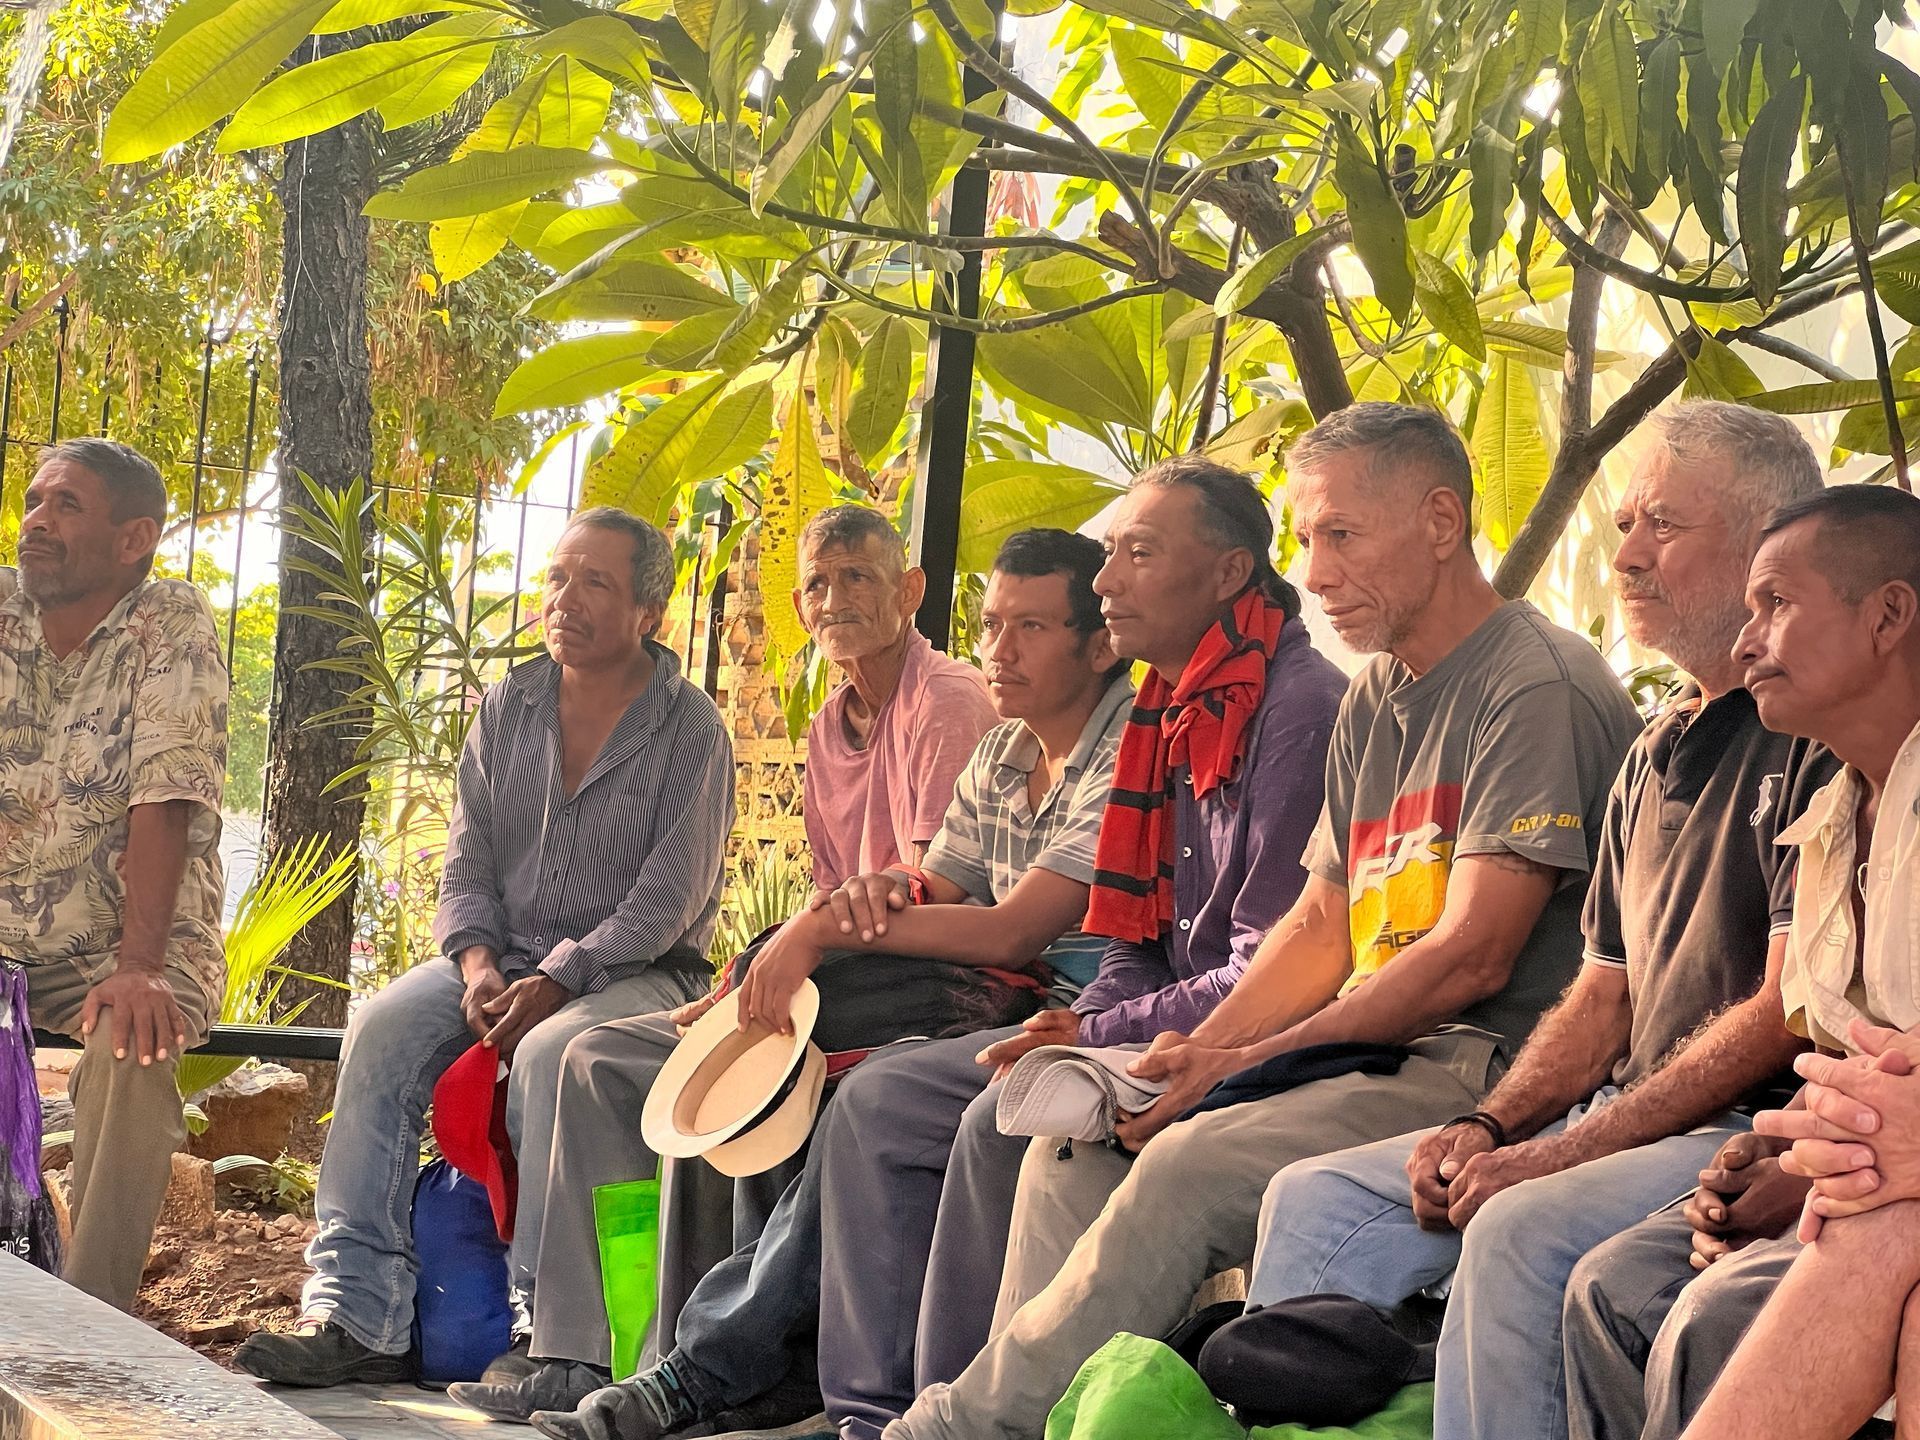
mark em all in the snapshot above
pixel 582 877
pixel 1006 883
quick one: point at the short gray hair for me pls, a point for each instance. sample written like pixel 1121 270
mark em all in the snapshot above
pixel 1399 438
pixel 1772 463
pixel 134 487
pixel 849 527
pixel 652 554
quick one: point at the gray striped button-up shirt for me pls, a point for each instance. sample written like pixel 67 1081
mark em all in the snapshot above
pixel 993 835
pixel 605 881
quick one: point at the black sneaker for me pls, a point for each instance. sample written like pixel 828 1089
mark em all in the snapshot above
pixel 550 1385
pixel 317 1358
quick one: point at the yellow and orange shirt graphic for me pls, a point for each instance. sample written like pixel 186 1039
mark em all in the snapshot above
pixel 1397 870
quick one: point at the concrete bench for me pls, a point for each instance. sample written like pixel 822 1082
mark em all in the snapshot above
pixel 72 1368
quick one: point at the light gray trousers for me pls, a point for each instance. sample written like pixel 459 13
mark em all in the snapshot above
pixel 1102 1243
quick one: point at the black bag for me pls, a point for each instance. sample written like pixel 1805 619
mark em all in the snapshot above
pixel 868 1000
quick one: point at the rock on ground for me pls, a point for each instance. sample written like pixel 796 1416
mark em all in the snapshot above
pixel 251 1112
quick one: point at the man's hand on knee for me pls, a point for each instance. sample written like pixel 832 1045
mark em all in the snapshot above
pixel 520 1007
pixel 145 1017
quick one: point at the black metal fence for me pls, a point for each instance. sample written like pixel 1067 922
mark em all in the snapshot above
pixel 225 466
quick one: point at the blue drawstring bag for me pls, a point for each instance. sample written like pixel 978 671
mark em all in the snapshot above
pixel 462 1320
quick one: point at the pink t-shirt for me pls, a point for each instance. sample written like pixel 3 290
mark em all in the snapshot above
pixel 866 808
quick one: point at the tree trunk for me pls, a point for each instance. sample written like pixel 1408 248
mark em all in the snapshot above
pixel 326 433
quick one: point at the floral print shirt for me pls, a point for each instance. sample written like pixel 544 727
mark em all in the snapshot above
pixel 136 715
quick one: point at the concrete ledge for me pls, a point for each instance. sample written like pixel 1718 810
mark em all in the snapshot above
pixel 72 1368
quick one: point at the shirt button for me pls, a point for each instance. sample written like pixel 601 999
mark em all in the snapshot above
pixel 1186 924
pixel 539 939
pixel 554 874
pixel 1186 852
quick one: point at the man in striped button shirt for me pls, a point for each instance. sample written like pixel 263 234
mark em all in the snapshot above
pixel 582 877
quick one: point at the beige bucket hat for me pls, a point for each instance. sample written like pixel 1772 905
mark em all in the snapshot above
pixel 743 1100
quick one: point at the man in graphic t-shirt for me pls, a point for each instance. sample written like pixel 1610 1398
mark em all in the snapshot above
pixel 1466 783
pixel 1674 1027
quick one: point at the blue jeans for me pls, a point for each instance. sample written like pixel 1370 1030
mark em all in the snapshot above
pixel 398 1043
pixel 1343 1224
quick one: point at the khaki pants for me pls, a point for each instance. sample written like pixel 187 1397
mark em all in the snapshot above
pixel 1103 1243
pixel 126 1126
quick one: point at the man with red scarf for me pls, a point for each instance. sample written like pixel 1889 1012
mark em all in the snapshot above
pixel 1465 787
pixel 909 1185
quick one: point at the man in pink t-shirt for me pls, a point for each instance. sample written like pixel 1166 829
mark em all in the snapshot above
pixel 886 748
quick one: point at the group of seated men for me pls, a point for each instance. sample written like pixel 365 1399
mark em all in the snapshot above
pixel 1541 974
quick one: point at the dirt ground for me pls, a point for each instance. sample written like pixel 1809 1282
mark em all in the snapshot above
pixel 212 1293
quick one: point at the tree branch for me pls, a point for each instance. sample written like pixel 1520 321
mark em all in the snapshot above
pixel 1301 318
pixel 949 321
pixel 986 64
pixel 1799 354
pixel 1580 456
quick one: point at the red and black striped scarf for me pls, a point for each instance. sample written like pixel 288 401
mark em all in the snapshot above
pixel 1200 722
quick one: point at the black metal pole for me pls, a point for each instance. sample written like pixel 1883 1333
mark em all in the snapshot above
pixel 65 312
pixel 717 605
pixel 946 420
pixel 246 481
pixel 200 446
pixel 519 563
pixel 6 427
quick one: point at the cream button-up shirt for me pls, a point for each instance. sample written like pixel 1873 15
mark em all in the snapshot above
pixel 1832 974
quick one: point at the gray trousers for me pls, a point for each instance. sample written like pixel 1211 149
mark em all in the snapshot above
pixel 704 1218
pixel 605 1075
pixel 1645 1335
pixel 919 1194
pixel 126 1126
pixel 1102 1243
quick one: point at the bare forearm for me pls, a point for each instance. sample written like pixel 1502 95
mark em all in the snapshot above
pixel 1743 1048
pixel 156 859
pixel 1298 968
pixel 1570 1055
pixel 976 935
pixel 1407 999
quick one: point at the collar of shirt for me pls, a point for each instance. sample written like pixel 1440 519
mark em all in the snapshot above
pixel 22 608
pixel 537 684
pixel 1830 969
pixel 1024 753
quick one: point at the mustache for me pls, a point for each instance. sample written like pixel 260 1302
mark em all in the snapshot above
pixel 1643 587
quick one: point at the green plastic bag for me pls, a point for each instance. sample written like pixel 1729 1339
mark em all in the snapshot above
pixel 1137 1389
pixel 626 1220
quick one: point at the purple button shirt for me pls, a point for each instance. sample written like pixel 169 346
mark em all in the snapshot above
pixel 1236 863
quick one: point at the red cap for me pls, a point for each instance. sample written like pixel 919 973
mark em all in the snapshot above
pixel 470 1122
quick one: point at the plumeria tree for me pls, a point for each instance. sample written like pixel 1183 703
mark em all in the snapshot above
pixel 1216 221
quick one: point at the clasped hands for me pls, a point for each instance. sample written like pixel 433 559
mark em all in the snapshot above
pixel 1858 1138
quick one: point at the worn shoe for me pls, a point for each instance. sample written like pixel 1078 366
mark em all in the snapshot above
pixel 550 1385
pixel 315 1358
pixel 796 1398
pixel 510 1365
pixel 650 1406
pixel 813 1427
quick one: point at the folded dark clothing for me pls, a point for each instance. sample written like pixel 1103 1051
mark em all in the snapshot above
pixel 1301 1067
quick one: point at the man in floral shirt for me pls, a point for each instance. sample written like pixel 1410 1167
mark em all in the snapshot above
pixel 113 753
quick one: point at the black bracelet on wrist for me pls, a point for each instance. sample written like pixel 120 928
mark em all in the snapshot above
pixel 1486 1122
